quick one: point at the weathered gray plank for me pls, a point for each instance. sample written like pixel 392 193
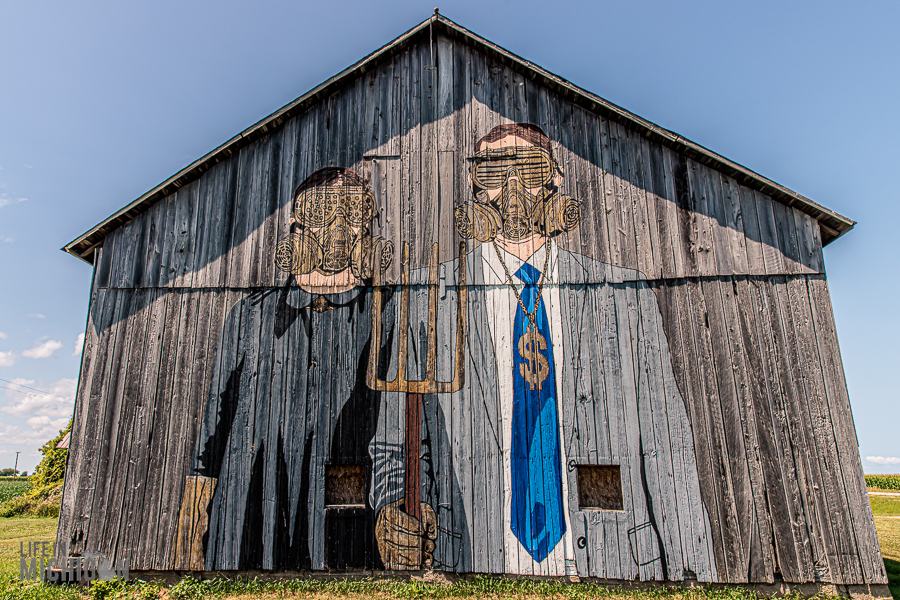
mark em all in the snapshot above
pixel 775 461
pixel 624 220
pixel 715 199
pixel 729 521
pixel 816 410
pixel 646 232
pixel 704 245
pixel 150 524
pixel 768 232
pixel 89 362
pixel 118 512
pixel 657 443
pixel 810 548
pixel 106 434
pixel 734 224
pixel 761 561
pixel 686 253
pixel 787 237
pixel 732 427
pixel 141 442
pixel 809 242
pixel 240 248
pixel 845 435
pixel 752 238
pixel 184 229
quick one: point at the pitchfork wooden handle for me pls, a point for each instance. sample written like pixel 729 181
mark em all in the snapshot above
pixel 413 490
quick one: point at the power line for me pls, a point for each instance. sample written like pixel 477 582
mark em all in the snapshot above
pixel 3 387
pixel 45 393
pixel 31 388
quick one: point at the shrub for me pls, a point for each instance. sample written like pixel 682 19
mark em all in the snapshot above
pixel 52 467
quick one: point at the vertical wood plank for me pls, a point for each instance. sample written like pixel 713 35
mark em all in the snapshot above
pixel 734 225
pixel 838 404
pixel 646 232
pixel 768 232
pixel 753 240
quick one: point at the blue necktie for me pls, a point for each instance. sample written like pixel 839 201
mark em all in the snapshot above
pixel 537 504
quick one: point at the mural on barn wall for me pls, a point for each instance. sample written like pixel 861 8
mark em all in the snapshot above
pixel 288 366
pixel 250 499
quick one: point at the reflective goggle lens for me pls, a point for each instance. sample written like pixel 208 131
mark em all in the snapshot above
pixel 491 168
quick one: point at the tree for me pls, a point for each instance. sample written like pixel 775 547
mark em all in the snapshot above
pixel 7 473
pixel 52 467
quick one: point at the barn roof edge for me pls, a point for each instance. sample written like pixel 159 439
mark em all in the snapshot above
pixel 832 224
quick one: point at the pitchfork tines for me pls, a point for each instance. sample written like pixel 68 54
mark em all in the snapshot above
pixel 429 385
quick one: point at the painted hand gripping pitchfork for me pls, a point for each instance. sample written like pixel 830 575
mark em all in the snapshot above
pixel 415 389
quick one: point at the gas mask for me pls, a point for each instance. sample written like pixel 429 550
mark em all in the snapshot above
pixel 515 213
pixel 333 234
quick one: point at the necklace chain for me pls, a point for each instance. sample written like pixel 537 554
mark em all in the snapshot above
pixel 537 301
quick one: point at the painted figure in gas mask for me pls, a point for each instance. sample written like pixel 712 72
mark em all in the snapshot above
pixel 331 243
pixel 516 189
pixel 288 402
pixel 559 354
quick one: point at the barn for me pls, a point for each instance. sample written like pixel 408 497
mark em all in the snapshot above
pixel 448 311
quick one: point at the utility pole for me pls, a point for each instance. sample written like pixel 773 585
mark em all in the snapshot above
pixel 16 468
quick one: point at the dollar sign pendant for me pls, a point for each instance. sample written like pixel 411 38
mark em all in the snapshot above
pixel 534 369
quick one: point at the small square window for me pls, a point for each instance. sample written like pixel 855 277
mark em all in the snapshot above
pixel 345 485
pixel 599 487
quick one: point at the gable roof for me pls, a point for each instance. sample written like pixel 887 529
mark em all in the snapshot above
pixel 832 224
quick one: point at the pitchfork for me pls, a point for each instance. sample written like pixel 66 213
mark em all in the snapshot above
pixel 415 389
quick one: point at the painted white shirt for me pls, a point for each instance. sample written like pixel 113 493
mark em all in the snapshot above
pixel 501 309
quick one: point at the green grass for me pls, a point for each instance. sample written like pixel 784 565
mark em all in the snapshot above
pixel 883 482
pixel 24 529
pixel 21 529
pixel 893 571
pixel 12 487
pixel 885 505
pixel 888 528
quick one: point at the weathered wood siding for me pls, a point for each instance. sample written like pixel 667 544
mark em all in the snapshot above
pixel 739 279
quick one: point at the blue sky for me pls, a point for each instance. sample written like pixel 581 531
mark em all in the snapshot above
pixel 101 101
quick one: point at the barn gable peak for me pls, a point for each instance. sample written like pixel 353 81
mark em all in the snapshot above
pixel 832 224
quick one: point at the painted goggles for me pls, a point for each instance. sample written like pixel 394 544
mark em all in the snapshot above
pixel 319 206
pixel 534 166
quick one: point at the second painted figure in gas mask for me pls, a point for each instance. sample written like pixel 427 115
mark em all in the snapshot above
pixel 330 238
pixel 281 469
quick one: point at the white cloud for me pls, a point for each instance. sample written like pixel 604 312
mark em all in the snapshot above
pixel 6 200
pixel 883 460
pixel 40 429
pixel 79 345
pixel 7 359
pixel 44 350
pixel 28 166
pixel 36 316
pixel 3 336
pixel 8 240
pixel 48 407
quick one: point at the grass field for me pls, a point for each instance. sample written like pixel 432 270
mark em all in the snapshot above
pixel 887 522
pixel 10 488
pixel 16 530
